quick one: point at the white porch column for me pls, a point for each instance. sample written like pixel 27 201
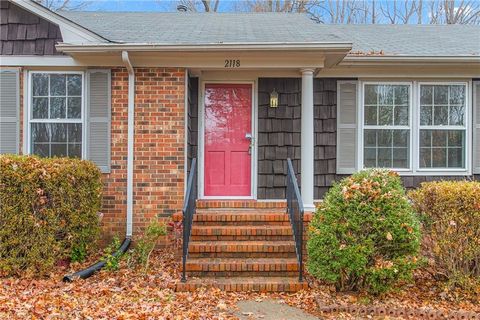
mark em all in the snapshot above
pixel 307 140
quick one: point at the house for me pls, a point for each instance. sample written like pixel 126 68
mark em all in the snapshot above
pixel 142 94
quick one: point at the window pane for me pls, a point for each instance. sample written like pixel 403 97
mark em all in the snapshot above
pixel 384 138
pixel 439 157
pixel 456 138
pixel 40 132
pixel 385 115
pixel 59 132
pixel 440 115
pixel 385 93
pixel 74 85
pixel 57 85
pixel 455 158
pixel 440 94
pixel 41 149
pixel 400 158
pixel 425 115
pixel 426 138
pixel 456 115
pixel 401 116
pixel 439 138
pixel 371 94
pixel 58 150
pixel 74 108
pixel 371 115
pixel 74 132
pixel 370 138
pixel 385 157
pixel 401 95
pixel 400 138
pixel 370 157
pixel 40 108
pixel 425 157
pixel 75 150
pixel 426 94
pixel 40 84
pixel 57 108
pixel 457 94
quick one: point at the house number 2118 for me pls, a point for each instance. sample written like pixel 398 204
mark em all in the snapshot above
pixel 232 63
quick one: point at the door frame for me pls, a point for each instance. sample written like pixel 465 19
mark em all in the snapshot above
pixel 201 135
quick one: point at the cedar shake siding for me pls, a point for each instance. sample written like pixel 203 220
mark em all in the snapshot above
pixel 192 125
pixel 278 135
pixel 23 33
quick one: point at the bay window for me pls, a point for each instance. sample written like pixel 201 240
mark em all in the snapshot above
pixel 55 115
pixel 428 133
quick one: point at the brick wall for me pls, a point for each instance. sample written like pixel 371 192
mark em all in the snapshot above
pixel 159 148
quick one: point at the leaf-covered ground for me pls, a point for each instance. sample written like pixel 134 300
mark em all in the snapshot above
pixel 131 294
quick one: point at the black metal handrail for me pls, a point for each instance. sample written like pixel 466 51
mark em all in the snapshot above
pixel 295 213
pixel 189 206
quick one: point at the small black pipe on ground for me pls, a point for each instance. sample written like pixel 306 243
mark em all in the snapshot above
pixel 87 272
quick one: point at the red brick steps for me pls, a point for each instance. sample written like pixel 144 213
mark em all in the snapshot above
pixel 228 267
pixel 255 232
pixel 259 284
pixel 242 246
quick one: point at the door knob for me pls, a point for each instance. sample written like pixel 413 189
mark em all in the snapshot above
pixel 248 136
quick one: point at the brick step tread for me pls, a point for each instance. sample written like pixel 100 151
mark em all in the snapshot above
pixel 242 264
pixel 240 216
pixel 247 230
pixel 241 204
pixel 259 284
pixel 242 246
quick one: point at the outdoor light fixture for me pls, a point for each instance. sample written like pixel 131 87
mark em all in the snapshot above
pixel 273 99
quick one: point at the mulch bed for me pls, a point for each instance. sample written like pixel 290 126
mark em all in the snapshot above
pixel 131 294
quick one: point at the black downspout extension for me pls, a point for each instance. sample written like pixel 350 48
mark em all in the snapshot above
pixel 87 272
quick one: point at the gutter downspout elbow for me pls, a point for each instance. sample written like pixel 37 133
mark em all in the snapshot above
pixel 130 140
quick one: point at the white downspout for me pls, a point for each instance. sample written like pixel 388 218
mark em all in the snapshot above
pixel 130 138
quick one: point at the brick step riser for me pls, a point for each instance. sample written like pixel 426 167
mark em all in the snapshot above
pixel 207 274
pixel 241 248
pixel 244 255
pixel 240 238
pixel 243 287
pixel 241 223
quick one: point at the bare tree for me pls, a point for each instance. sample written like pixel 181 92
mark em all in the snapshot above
pixel 201 6
pixel 58 5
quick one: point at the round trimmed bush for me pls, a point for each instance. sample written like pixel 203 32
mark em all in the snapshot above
pixel 364 235
pixel 48 212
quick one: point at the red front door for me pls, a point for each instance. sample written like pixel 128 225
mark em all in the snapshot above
pixel 228 119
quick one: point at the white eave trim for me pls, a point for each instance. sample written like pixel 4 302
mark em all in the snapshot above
pixel 381 60
pixel 247 46
pixel 71 31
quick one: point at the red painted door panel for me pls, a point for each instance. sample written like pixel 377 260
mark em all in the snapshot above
pixel 228 118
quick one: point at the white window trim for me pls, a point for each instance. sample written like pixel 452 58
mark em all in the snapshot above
pixel 362 125
pixel 28 111
pixel 414 124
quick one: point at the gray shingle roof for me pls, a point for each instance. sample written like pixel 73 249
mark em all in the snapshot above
pixel 208 28
pixel 200 28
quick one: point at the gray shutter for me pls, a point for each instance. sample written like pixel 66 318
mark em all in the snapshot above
pixel 476 127
pixel 346 127
pixel 9 111
pixel 99 118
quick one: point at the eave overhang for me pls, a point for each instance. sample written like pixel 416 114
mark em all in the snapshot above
pixel 361 60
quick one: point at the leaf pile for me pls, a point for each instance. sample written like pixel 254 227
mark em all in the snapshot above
pixel 132 294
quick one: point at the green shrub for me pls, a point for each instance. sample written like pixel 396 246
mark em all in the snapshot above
pixel 364 235
pixel 451 215
pixel 112 261
pixel 48 212
pixel 140 254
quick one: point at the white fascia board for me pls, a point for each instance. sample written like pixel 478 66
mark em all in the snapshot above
pixel 380 60
pixel 38 61
pixel 71 31
pixel 247 46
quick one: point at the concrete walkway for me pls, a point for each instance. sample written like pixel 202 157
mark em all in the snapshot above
pixel 270 310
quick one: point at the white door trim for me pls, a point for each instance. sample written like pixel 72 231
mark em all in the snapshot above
pixel 201 133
